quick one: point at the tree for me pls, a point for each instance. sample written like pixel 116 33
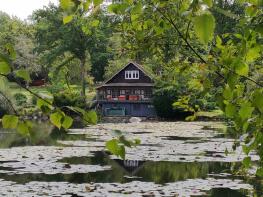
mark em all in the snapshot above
pixel 233 56
pixel 20 35
pixel 56 39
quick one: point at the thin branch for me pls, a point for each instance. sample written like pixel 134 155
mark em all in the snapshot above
pixel 245 77
pixel 9 102
pixel 197 54
pixel 27 89
pixel 187 30
pixel 36 95
pixel 181 35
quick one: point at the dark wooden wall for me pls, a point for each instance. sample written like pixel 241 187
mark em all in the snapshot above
pixel 120 77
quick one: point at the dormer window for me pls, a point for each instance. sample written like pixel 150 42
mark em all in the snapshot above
pixel 131 74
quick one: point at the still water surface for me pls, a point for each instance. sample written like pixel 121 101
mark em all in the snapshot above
pixel 189 175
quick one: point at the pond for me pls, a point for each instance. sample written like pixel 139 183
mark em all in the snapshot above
pixel 174 159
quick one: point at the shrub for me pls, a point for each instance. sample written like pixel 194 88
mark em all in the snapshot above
pixel 163 100
pixel 68 98
pixel 21 99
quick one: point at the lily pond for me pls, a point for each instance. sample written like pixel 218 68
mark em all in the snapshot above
pixel 173 159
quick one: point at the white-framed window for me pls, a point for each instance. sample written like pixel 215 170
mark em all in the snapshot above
pixel 132 74
pixel 122 92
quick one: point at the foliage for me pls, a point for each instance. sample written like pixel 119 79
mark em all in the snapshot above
pixel 176 96
pixel 21 99
pixel 234 57
pixel 81 43
pixel 117 145
pixel 73 37
pixel 20 35
pixel 69 98
pixel 183 36
pixel 163 100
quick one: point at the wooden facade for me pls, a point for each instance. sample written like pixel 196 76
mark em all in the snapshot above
pixel 127 93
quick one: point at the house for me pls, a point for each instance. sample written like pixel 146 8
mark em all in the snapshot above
pixel 127 93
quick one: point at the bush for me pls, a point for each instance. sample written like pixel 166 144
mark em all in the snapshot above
pixel 163 100
pixel 21 99
pixel 68 98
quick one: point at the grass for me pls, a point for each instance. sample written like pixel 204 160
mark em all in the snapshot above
pixel 14 89
pixel 215 114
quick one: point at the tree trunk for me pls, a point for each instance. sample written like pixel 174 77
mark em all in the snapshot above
pixel 83 77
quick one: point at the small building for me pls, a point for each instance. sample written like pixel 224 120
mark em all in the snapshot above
pixel 127 93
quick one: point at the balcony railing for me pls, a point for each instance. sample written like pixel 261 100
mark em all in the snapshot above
pixel 124 98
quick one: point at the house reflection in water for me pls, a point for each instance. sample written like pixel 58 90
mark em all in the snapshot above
pixel 131 166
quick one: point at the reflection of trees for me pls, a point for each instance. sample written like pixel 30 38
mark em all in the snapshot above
pixel 226 192
pixel 39 135
pixel 42 134
pixel 164 171
pixel 158 172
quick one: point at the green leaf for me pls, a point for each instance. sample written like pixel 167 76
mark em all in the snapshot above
pixel 116 149
pixel 253 54
pixel 113 146
pixel 95 23
pixel 10 121
pixel 241 68
pixel 77 110
pixel 86 5
pixel 4 68
pixel 219 42
pixel 190 118
pixel 9 47
pixel 137 9
pixel 228 93
pixel 259 172
pixel 204 26
pixel 86 30
pixel 251 10
pixel 47 99
pixel 122 152
pixel 246 111
pixel 97 2
pixel 258 100
pixel 56 118
pixel 66 4
pixel 23 129
pixel 67 19
pixel 230 110
pixel 123 140
pixel 43 105
pixel 246 162
pixel 67 122
pixel 24 74
pixel 91 117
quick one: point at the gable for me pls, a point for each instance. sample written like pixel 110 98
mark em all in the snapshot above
pixel 131 68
